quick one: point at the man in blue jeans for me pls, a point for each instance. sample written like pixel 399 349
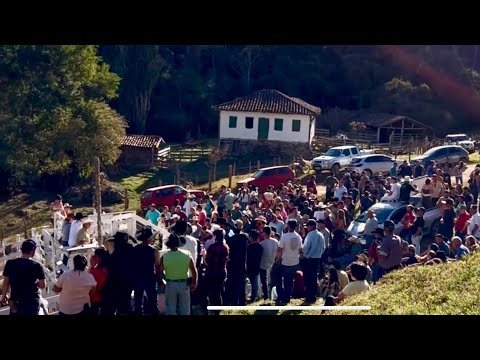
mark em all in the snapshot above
pixel 288 255
pixel 312 249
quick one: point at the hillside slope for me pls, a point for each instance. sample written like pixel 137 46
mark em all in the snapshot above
pixel 448 289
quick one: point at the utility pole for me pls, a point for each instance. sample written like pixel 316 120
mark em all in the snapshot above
pixel 98 197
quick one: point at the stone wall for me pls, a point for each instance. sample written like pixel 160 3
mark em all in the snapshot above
pixel 263 148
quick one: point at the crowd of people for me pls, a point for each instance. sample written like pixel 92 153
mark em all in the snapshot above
pixel 274 243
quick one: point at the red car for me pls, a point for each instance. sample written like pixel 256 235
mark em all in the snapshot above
pixel 166 196
pixel 275 175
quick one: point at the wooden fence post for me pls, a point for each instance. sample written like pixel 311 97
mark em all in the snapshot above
pixel 234 172
pixel 258 164
pixel 126 199
pixel 249 167
pixel 178 175
pixel 230 171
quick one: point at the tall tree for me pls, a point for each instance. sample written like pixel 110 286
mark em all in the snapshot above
pixel 54 117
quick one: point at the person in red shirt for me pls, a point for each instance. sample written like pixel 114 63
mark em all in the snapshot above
pixel 407 222
pixel 98 268
pixel 202 215
pixel 178 211
pixel 461 224
pixel 312 185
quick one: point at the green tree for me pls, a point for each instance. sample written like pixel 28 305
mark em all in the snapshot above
pixel 54 116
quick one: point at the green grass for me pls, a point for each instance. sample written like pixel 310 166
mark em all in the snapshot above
pixel 293 302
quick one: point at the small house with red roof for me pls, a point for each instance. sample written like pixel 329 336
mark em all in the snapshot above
pixel 267 116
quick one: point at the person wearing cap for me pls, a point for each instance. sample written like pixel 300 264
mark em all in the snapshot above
pixel 146 268
pixel 75 287
pixel 175 266
pixel 83 236
pixel 24 277
pixel 288 255
pixel 370 225
pixel 406 190
pixel 390 253
pixel 74 229
pixel 235 284
pixel 461 223
pixel 312 250
pixel 153 214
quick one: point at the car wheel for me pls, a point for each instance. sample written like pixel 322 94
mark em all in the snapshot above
pixel 464 160
pixel 434 227
pixel 368 172
pixel 335 169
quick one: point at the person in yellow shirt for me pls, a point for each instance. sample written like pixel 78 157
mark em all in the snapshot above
pixel 83 237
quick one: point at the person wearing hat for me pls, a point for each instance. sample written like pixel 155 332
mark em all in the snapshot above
pixel 68 209
pixel 235 284
pixel 260 222
pixel 74 229
pixel 153 214
pixel 175 266
pixel 190 206
pixel 390 253
pixel 406 190
pixel 118 289
pixel 24 277
pixel 146 268
pixel 236 212
pixel 312 250
pixel 83 236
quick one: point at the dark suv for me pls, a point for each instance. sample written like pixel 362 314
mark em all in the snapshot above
pixel 441 154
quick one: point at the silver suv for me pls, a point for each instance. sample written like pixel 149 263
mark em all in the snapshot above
pixel 441 154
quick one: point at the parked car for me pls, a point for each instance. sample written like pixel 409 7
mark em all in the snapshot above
pixel 395 211
pixel 451 153
pixel 372 164
pixel 262 178
pixel 166 196
pixel 336 158
pixel 460 139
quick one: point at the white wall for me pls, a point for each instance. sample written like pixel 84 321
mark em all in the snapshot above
pixel 287 135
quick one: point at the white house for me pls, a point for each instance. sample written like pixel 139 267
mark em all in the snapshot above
pixel 268 115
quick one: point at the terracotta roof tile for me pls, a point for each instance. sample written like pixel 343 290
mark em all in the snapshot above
pixel 270 101
pixel 143 141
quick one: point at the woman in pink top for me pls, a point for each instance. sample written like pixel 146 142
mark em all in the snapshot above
pixel 75 287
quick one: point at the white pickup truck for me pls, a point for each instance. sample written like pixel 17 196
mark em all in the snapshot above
pixel 337 158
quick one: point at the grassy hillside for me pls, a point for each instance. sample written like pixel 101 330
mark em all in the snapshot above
pixel 449 289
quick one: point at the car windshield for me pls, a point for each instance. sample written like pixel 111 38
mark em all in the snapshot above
pixel 333 152
pixel 258 173
pixel 146 195
pixel 457 138
pixel 382 214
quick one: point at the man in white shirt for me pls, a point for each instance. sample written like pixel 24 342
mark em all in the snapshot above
pixel 190 206
pixel 288 255
pixel 394 192
pixel 474 226
pixel 340 190
pixel 74 229
pixel 370 226
pixel 270 246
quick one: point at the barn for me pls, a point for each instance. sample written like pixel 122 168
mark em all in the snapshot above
pixel 140 150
